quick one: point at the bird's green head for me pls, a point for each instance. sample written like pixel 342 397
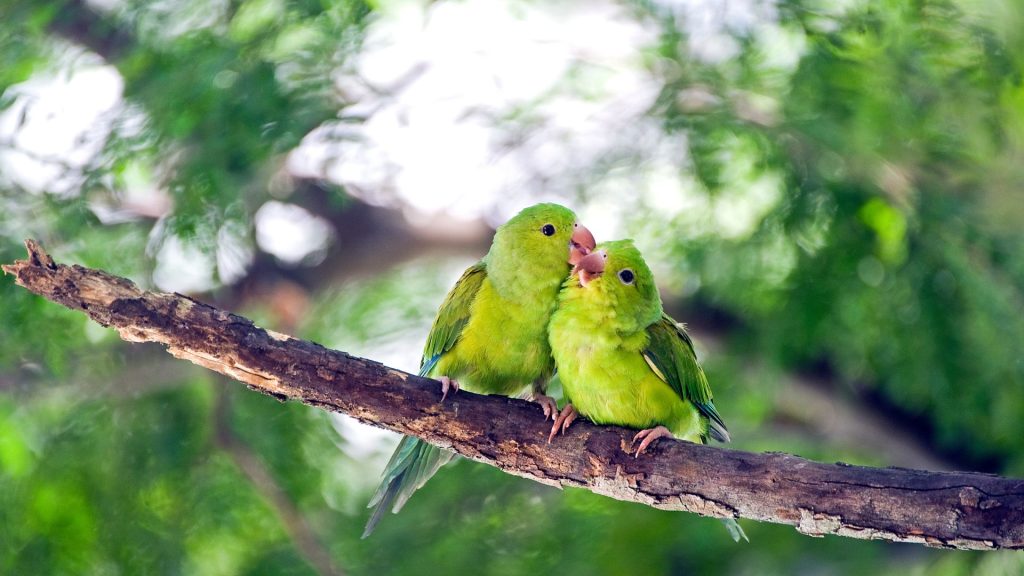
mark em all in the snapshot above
pixel 542 239
pixel 615 276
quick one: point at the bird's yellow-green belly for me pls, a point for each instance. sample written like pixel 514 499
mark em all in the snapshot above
pixel 618 387
pixel 502 349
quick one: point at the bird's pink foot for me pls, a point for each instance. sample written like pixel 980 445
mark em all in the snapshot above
pixel 448 384
pixel 648 436
pixel 565 418
pixel 547 404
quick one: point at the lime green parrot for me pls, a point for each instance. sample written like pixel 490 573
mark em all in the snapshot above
pixel 623 361
pixel 490 334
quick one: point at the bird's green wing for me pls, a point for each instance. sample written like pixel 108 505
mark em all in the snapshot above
pixel 670 355
pixel 452 316
pixel 415 461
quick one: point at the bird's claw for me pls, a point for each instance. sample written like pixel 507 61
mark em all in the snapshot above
pixel 565 418
pixel 547 404
pixel 649 435
pixel 448 384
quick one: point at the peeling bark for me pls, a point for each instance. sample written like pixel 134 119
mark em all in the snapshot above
pixel 942 509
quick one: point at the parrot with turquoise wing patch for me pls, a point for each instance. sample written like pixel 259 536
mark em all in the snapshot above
pixel 490 334
pixel 623 361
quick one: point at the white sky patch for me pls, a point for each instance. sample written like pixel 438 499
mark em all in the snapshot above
pixel 665 193
pixel 609 200
pixel 368 444
pixel 182 267
pixel 104 5
pixel 711 25
pixel 570 76
pixel 57 124
pixel 781 48
pixel 479 108
pixel 235 252
pixel 291 233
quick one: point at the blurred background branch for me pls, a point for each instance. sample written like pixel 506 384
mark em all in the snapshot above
pixel 78 22
pixel 256 471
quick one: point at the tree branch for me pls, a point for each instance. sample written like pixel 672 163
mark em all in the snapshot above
pixel 954 510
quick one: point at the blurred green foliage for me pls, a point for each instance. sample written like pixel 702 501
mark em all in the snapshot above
pixel 880 171
pixel 897 140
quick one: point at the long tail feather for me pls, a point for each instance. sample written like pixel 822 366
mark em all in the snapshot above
pixel 716 426
pixel 718 432
pixel 412 464
pixel 382 502
pixel 734 529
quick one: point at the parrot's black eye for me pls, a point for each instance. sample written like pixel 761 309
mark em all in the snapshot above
pixel 627 276
pixel 548 229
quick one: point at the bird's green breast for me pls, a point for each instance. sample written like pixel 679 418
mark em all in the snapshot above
pixel 504 347
pixel 607 379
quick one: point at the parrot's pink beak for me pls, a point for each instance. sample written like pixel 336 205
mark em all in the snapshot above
pixel 581 244
pixel 590 266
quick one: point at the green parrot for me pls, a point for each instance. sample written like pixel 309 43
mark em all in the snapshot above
pixel 490 334
pixel 623 361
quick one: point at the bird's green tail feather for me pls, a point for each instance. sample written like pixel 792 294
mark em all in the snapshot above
pixel 412 464
pixel 734 529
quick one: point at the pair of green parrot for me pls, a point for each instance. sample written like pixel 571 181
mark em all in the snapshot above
pixel 544 296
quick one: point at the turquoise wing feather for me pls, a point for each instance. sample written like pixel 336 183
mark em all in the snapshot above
pixel 670 354
pixel 415 461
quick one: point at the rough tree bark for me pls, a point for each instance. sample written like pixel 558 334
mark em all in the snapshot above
pixel 954 510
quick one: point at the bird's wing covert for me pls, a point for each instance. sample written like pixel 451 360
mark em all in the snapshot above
pixel 671 356
pixel 452 316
